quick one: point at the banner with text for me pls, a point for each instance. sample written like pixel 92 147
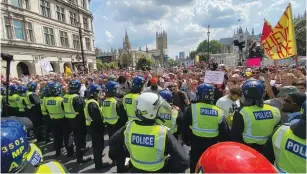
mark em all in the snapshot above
pixel 214 77
pixel 45 65
pixel 281 42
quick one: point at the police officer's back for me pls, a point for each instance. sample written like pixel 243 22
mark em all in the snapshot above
pixel 20 100
pixel 148 143
pixel 18 156
pixel 95 125
pixel 129 99
pixel 203 124
pixel 255 121
pixel 112 109
pixel 13 95
pixel 74 113
pixel 286 148
pixel 44 94
pixel 3 103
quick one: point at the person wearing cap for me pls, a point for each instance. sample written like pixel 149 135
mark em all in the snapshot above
pixel 286 148
pixel 292 105
pixel 278 102
pixel 154 87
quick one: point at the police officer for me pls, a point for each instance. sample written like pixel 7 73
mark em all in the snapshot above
pixel 18 156
pixel 44 94
pixel 13 95
pixel 22 91
pixel 112 109
pixel 203 124
pixel 255 121
pixel 286 149
pixel 32 101
pixel 54 105
pixel 3 103
pixel 169 117
pixel 74 112
pixel 129 99
pixel 94 123
pixel 148 143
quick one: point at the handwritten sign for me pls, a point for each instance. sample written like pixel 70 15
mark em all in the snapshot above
pixel 281 42
pixel 253 62
pixel 287 61
pixel 215 77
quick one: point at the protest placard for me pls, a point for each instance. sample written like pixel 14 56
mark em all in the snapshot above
pixel 214 77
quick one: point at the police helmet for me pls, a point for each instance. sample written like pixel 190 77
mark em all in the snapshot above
pixel 14 146
pixel 54 88
pixel 32 86
pixel 74 86
pixel 148 105
pixel 93 90
pixel 166 95
pixel 137 83
pixel 13 89
pixel 253 89
pixel 111 87
pixel 22 89
pixel 205 92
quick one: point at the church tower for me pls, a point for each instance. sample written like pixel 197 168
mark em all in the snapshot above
pixel 161 40
pixel 126 42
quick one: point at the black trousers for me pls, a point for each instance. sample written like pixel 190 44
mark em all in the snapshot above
pixel 47 126
pixel 197 150
pixel 97 133
pixel 61 132
pixel 79 131
pixel 111 129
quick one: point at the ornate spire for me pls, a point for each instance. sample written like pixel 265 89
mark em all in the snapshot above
pixel 126 44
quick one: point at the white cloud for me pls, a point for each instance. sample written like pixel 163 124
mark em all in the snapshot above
pixel 109 36
pixel 185 21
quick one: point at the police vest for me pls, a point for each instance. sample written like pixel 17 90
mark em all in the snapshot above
pixel 51 167
pixel 259 123
pixel 170 119
pixel 129 105
pixel 289 150
pixel 43 105
pixel 206 119
pixel 88 119
pixel 146 145
pixel 68 106
pixel 27 100
pixel 12 100
pixel 20 104
pixel 108 109
pixel 35 155
pixel 54 108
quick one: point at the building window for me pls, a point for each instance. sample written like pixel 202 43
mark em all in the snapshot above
pixel 18 29
pixel 4 1
pixel 64 39
pixel 16 3
pixel 49 36
pixel 88 44
pixel 27 4
pixel 76 42
pixel 29 30
pixel 83 3
pixel 73 19
pixel 85 23
pixel 7 28
pixel 60 13
pixel 45 8
pixel 72 1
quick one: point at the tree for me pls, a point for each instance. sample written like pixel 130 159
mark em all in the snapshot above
pixel 215 47
pixel 126 60
pixel 171 62
pixel 193 54
pixel 300 35
pixel 143 62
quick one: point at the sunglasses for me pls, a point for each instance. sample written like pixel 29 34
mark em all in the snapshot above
pixel 256 72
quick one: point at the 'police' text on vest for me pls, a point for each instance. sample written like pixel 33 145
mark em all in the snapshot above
pixel 165 116
pixel 296 148
pixel 263 115
pixel 128 101
pixel 208 112
pixel 143 140
pixel 51 102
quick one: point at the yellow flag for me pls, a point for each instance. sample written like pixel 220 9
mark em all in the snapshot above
pixel 281 42
pixel 196 58
pixel 67 71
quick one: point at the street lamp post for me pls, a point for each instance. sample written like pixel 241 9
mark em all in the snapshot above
pixel 208 34
pixel 81 44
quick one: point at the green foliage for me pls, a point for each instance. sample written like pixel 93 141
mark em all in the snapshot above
pixel 104 66
pixel 126 59
pixel 300 35
pixel 172 62
pixel 143 62
pixel 215 47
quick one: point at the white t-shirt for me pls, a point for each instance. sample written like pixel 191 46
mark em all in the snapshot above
pixel 228 106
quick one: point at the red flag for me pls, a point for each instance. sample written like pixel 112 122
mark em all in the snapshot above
pixel 266 30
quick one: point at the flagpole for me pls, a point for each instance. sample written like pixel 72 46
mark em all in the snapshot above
pixel 296 61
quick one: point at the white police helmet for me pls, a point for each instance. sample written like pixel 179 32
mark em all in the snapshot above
pixel 148 104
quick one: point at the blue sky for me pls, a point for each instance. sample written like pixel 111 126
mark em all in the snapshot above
pixel 185 21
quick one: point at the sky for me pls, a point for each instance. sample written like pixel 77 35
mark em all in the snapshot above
pixel 185 21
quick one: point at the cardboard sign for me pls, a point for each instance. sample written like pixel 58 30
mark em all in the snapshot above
pixel 215 77
pixel 253 62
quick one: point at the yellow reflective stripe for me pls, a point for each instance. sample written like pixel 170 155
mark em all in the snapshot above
pixel 276 114
pixel 54 167
pixel 277 142
pixel 174 118
pixel 195 120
